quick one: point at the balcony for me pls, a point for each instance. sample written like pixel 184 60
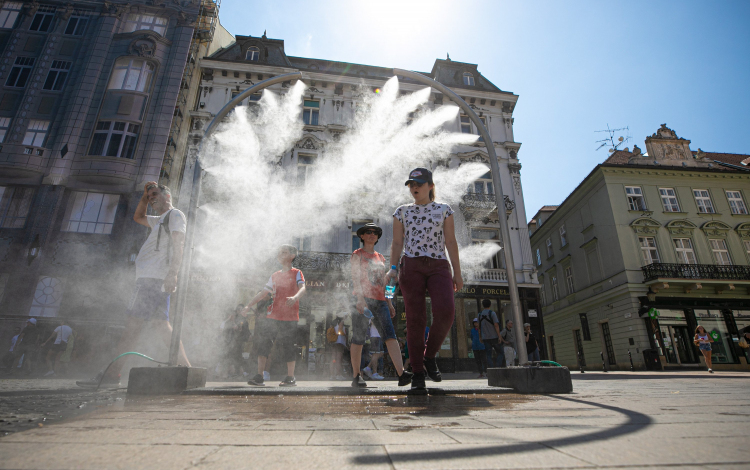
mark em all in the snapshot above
pixel 692 277
pixel 479 201
pixel 488 275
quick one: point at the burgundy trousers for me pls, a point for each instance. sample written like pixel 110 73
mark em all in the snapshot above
pixel 418 277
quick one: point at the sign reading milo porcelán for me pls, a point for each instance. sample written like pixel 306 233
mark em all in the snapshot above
pixel 483 291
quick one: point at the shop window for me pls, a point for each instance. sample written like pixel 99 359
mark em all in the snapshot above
pixel 252 54
pixel 649 253
pixel 720 251
pixel 90 213
pixel 356 225
pixel 549 248
pixel 468 79
pixel 77 23
pixel 569 279
pixel 15 202
pixel 305 165
pixel 563 236
pixel 57 75
pixel 608 344
pixel 703 201
pixel 4 126
pixel 9 14
pixel 20 72
pixel 636 201
pixel 311 112
pixel 684 249
pixel 552 351
pixel 736 203
pixel 669 200
pixel 43 19
pixel 36 133
pixel 143 21
pixel 131 75
pixel 715 324
pixel 47 297
pixel 114 139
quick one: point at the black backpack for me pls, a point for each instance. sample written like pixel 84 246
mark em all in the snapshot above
pixel 487 318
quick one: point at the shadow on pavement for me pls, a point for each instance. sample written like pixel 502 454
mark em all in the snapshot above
pixel 636 422
pixel 656 376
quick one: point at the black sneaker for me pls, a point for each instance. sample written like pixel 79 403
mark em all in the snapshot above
pixel 417 383
pixel 359 382
pixel 430 366
pixel 97 381
pixel 288 382
pixel 257 380
pixel 405 378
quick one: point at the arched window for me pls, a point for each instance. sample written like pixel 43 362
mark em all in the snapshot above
pixel 468 79
pixel 141 21
pixel 131 74
pixel 253 53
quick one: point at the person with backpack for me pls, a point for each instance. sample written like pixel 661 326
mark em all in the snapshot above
pixel 489 331
pixel 157 267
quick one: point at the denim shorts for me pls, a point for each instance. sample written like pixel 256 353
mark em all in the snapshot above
pixel 381 318
pixel 148 301
pixel 705 346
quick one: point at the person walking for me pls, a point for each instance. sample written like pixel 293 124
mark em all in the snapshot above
pixel 703 340
pixel 368 279
pixel 61 334
pixel 27 346
pixel 489 330
pixel 509 343
pixel 477 347
pixel 532 346
pixel 157 267
pixel 339 348
pixel 423 232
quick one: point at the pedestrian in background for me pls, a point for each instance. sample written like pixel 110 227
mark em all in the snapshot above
pixel 509 343
pixel 489 330
pixel 61 334
pixel 532 346
pixel 477 347
pixel 703 340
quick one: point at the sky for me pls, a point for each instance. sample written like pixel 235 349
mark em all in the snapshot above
pixel 577 66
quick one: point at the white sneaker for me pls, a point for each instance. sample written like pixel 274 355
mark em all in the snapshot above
pixel 710 370
pixel 52 372
pixel 376 376
pixel 266 375
pixel 368 371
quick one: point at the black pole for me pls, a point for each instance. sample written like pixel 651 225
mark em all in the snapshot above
pixel 580 363
pixel 604 365
pixel 630 356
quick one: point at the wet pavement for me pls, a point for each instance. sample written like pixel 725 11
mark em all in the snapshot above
pixel 690 420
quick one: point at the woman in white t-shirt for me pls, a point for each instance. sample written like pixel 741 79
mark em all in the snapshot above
pixel 424 232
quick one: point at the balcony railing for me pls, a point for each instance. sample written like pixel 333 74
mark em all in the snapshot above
pixel 695 271
pixel 480 200
pixel 489 275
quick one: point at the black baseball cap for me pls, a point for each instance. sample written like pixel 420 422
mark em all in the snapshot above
pixel 419 175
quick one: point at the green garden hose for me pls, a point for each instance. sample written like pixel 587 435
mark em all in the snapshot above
pixel 550 362
pixel 118 357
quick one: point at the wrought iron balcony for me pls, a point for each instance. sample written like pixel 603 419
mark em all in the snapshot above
pixel 696 272
pixel 479 200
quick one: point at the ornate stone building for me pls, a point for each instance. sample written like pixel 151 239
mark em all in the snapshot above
pixel 328 111
pixel 644 249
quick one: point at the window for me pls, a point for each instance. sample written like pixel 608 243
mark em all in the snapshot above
pixel 304 168
pixel 47 297
pixel 77 23
pixel 468 79
pixel 90 212
pixel 253 53
pixel 57 74
pixel 585 326
pixel 736 203
pixel 538 258
pixel 36 133
pixel 579 348
pixel 489 235
pixel 549 248
pixel 552 352
pixel 140 21
pixel 608 344
pixel 542 291
pixel 43 19
pixel 636 202
pixel 703 200
pixel 484 122
pixel 303 243
pixel 15 202
pixel 254 98
pixel 9 14
pixel 555 293
pixel 131 74
pixel 569 279
pixel 114 139
pixel 649 253
pixel 669 200
pixel 4 126
pixel 310 112
pixel 356 225
pixel 746 243
pixel 483 185
pixel 563 236
pixel 465 124
pixel 720 251
pixel 20 72
pixel 684 248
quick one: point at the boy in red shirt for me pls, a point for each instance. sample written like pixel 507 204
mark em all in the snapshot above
pixel 286 287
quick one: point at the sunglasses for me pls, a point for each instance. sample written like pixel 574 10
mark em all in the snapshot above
pixel 413 184
pixel 369 232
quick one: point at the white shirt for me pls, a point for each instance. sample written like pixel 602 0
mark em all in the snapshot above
pixel 423 229
pixel 63 333
pixel 155 264
pixel 13 342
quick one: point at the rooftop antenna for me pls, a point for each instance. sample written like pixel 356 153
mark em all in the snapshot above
pixel 610 141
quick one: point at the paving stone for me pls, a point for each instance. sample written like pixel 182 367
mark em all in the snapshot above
pixel 236 437
pixel 377 437
pixel 300 457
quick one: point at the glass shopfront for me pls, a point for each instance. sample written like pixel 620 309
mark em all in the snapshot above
pixel 742 319
pixel 675 338
pixel 722 349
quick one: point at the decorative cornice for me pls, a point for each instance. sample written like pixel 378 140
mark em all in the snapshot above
pixel 645 225
pixel 743 230
pixel 681 227
pixel 716 228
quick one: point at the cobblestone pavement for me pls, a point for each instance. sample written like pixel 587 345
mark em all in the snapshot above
pixel 669 420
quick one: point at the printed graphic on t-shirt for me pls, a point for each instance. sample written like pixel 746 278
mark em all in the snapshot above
pixel 423 229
